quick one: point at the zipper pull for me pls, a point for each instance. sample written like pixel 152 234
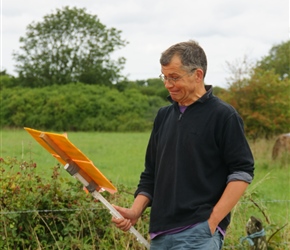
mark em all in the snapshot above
pixel 180 116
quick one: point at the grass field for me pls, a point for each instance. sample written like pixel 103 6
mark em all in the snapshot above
pixel 120 156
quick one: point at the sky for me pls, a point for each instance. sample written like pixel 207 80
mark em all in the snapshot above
pixel 227 30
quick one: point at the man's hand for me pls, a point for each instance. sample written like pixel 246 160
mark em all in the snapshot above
pixel 230 197
pixel 212 226
pixel 130 218
pixel 131 215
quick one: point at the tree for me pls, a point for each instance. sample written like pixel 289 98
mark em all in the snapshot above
pixel 278 59
pixel 6 80
pixel 260 92
pixel 263 103
pixel 239 70
pixel 69 45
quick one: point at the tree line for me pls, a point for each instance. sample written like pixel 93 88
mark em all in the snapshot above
pixel 78 107
pixel 66 80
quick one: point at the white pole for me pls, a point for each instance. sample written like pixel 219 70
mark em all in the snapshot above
pixel 113 211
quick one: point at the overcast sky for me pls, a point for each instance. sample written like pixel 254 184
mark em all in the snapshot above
pixel 226 29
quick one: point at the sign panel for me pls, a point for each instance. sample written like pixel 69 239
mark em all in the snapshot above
pixel 65 152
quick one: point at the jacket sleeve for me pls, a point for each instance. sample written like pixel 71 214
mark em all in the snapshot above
pixel 236 150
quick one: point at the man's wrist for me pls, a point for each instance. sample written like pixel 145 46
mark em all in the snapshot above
pixel 140 204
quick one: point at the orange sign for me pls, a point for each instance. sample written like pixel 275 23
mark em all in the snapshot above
pixel 65 152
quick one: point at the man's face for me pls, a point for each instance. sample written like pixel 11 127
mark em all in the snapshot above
pixel 183 89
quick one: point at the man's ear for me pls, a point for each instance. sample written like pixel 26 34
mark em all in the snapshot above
pixel 199 75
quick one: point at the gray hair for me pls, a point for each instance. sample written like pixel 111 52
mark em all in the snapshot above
pixel 192 56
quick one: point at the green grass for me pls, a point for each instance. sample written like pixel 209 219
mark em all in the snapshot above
pixel 267 198
pixel 120 157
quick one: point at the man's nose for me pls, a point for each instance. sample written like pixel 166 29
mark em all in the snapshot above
pixel 168 84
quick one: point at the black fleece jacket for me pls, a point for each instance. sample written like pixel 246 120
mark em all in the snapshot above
pixel 188 160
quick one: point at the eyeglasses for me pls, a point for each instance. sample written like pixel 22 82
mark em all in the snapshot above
pixel 173 80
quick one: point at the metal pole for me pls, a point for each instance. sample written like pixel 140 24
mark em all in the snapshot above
pixel 92 189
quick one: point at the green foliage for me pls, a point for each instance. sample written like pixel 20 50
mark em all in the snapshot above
pixel 155 87
pixel 262 97
pixel 55 213
pixel 256 202
pixel 69 45
pixel 277 60
pixel 218 91
pixel 7 81
pixel 263 102
pixel 149 87
pixel 78 107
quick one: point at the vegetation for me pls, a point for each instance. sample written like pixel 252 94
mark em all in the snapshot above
pixel 78 107
pixel 67 82
pixel 55 214
pixel 68 46
pixel 42 206
pixel 260 94
pixel 277 60
pixel 263 102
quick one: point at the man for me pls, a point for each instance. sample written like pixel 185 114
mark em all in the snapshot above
pixel 198 162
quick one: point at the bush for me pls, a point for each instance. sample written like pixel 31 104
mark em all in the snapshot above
pixel 54 213
pixel 78 107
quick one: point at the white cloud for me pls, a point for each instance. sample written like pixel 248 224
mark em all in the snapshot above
pixel 226 29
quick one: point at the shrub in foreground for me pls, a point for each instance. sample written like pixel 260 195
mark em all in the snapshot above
pixel 55 213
